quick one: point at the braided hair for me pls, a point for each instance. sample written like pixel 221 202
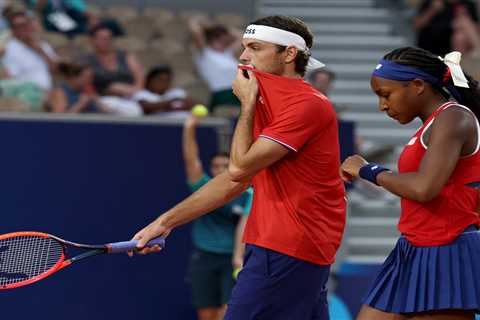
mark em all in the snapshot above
pixel 424 60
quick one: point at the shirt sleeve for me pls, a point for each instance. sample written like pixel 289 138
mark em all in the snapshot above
pixel 194 186
pixel 298 123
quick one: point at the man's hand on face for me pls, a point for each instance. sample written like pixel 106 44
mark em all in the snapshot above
pixel 246 89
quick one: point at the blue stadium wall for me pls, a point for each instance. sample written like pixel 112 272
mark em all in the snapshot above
pixel 92 181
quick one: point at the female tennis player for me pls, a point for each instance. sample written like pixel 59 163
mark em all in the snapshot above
pixel 432 273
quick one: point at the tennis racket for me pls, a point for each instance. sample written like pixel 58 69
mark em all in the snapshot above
pixel 28 257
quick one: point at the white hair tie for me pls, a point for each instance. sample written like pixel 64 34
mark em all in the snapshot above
pixel 452 60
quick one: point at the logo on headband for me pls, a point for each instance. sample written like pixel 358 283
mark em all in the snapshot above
pixel 378 66
pixel 250 31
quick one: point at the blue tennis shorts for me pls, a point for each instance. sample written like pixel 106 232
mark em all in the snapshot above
pixel 275 286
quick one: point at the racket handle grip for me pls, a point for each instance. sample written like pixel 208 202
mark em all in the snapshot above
pixel 121 247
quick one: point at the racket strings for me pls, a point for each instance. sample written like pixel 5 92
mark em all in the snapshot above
pixel 25 257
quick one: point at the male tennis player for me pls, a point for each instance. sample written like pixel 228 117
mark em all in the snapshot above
pixel 286 144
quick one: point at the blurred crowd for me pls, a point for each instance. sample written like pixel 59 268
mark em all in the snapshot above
pixel 442 26
pixel 66 57
pixel 69 57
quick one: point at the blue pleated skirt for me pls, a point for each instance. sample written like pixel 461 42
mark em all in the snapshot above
pixel 417 279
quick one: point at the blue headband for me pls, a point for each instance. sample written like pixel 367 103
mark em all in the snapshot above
pixel 393 71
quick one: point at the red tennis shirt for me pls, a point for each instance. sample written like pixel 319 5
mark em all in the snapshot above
pixel 444 218
pixel 299 202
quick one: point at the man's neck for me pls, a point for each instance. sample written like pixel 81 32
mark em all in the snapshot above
pixel 291 74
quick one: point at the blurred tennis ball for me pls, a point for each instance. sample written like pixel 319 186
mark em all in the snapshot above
pixel 236 272
pixel 199 110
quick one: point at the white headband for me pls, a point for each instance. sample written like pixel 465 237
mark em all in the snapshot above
pixel 282 38
pixel 452 60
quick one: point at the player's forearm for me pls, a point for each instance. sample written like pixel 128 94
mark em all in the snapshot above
pixel 189 144
pixel 197 32
pixel 242 141
pixel 216 193
pixel 412 185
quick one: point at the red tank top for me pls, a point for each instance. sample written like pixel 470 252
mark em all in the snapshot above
pixel 442 219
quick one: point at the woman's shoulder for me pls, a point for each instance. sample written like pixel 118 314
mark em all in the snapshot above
pixel 456 118
pixel 456 110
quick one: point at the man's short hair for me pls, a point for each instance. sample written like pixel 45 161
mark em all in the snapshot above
pixel 296 26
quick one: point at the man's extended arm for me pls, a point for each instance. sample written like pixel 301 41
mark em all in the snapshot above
pixel 216 193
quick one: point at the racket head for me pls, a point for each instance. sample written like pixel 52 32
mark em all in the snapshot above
pixel 27 257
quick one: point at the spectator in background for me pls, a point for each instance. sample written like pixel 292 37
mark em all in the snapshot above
pixel 465 32
pixel 159 97
pixel 27 95
pixel 434 23
pixel 26 57
pixel 322 79
pixel 216 236
pixel 75 94
pixel 467 41
pixel 6 6
pixel 70 17
pixel 214 54
pixel 5 32
pixel 116 72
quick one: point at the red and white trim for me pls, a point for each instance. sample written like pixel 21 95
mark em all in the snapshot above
pixel 446 106
pixel 280 142
pixel 478 130
pixel 425 127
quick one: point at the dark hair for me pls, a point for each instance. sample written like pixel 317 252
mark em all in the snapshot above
pixel 326 71
pixel 296 26
pixel 214 32
pixel 424 60
pixel 99 27
pixel 155 71
pixel 71 69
